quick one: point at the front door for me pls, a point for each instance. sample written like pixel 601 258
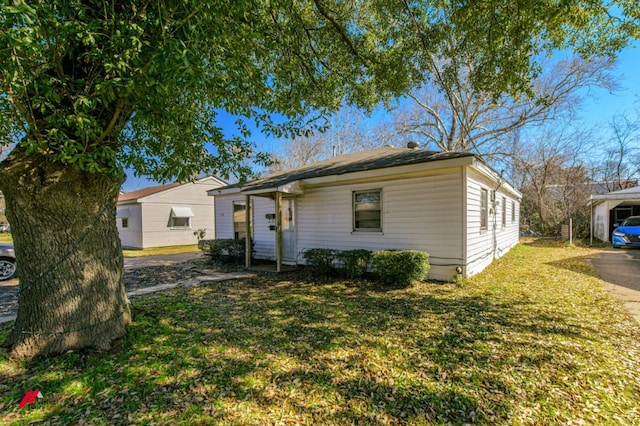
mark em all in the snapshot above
pixel 289 255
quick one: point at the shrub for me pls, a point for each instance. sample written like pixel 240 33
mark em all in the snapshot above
pixel 227 251
pixel 353 263
pixel 320 260
pixel 205 245
pixel 401 267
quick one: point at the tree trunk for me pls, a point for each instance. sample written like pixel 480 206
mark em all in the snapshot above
pixel 69 257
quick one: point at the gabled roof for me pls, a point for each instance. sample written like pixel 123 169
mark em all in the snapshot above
pixel 134 195
pixel 621 195
pixel 379 158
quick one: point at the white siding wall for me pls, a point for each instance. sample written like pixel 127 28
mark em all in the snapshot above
pixel 424 213
pixel 601 221
pixel 131 237
pixel 150 218
pixel 483 246
pixel 419 213
pixel 264 239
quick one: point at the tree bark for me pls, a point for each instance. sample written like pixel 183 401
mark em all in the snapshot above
pixel 69 256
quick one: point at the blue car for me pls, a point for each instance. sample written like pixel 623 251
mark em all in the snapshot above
pixel 627 234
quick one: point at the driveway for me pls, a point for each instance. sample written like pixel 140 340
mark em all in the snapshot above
pixel 620 268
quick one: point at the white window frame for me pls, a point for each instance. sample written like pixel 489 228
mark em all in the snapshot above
pixel 484 209
pixel 354 210
pixel 244 224
pixel 175 224
pixel 180 221
pixel 504 212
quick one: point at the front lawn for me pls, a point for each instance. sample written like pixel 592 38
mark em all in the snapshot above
pixel 155 251
pixel 535 339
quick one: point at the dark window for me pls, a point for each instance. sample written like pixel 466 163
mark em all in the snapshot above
pixel 504 212
pixel 125 222
pixel 239 219
pixel 180 222
pixel 513 211
pixel 367 210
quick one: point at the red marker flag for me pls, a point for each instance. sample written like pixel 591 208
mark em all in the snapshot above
pixel 29 397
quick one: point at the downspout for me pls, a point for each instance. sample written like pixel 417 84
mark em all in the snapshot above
pixel 247 232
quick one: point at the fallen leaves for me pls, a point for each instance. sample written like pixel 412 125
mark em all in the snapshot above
pixel 533 340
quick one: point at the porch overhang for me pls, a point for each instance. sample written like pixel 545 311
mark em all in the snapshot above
pixel 619 198
pixel 290 188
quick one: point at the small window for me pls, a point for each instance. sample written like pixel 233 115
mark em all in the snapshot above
pixel 484 209
pixel 513 211
pixel 181 217
pixel 504 212
pixel 181 222
pixel 367 209
pixel 124 222
pixel 239 219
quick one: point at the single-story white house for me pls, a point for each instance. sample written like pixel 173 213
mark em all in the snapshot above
pixel 166 215
pixel 451 205
pixel 608 210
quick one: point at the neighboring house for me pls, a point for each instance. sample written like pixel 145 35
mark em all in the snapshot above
pixel 166 215
pixel 451 205
pixel 608 210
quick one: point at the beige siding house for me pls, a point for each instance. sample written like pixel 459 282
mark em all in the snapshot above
pixel 451 205
pixel 166 215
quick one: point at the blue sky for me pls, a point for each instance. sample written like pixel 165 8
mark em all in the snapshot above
pixel 602 106
pixel 598 108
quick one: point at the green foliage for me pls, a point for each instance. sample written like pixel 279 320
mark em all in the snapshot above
pixel 142 84
pixel 227 251
pixel 320 260
pixel 401 267
pixel 353 263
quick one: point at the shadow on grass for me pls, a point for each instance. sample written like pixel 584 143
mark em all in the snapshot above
pixel 578 264
pixel 322 353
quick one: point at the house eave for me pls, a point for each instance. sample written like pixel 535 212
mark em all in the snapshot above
pixel 291 188
pixel 224 191
pixel 387 173
pixel 596 199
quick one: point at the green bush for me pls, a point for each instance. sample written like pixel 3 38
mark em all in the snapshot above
pixel 401 267
pixel 353 263
pixel 227 251
pixel 205 245
pixel 320 260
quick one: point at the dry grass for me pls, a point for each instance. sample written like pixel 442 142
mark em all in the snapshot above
pixel 159 250
pixel 535 339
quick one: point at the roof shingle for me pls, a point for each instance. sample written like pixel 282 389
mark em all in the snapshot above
pixel 379 158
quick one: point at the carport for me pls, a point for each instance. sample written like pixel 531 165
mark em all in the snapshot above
pixel 610 209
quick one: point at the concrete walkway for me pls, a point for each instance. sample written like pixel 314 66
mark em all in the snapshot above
pixel 209 276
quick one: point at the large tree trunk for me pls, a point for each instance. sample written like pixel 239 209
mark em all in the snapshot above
pixel 69 256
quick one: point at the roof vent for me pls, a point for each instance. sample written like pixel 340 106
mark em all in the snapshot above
pixel 413 145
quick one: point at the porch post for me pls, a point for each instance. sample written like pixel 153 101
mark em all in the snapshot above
pixel 247 232
pixel 278 231
pixel 591 221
